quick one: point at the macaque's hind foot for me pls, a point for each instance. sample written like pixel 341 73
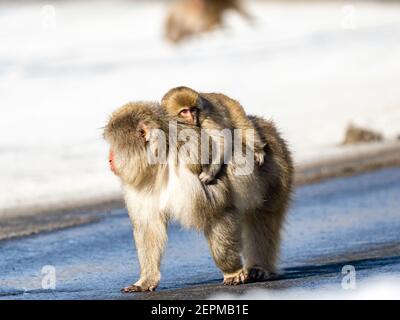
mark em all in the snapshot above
pixel 259 157
pixel 258 274
pixel 234 279
pixel 137 288
pixel 206 177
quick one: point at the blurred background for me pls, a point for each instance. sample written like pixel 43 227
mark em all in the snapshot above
pixel 314 67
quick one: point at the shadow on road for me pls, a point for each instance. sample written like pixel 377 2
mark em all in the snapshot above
pixel 317 270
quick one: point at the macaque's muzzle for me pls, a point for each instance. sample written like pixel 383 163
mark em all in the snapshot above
pixel 111 161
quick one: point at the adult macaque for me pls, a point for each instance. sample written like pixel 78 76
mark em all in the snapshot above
pixel 189 17
pixel 240 215
pixel 212 111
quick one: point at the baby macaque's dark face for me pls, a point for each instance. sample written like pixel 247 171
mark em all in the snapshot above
pixel 189 115
pixel 184 104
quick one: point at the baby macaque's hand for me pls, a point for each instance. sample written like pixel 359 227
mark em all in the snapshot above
pixel 206 177
pixel 259 157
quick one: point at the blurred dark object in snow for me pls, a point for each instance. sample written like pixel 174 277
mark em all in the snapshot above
pixel 190 17
pixel 358 135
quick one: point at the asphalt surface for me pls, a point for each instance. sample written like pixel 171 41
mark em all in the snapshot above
pixel 344 221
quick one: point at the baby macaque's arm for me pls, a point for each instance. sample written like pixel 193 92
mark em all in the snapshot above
pixel 214 141
pixel 240 120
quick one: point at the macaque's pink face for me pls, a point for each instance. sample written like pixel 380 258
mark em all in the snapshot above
pixel 111 160
pixel 139 139
pixel 189 115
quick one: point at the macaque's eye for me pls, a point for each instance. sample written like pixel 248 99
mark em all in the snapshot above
pixel 184 112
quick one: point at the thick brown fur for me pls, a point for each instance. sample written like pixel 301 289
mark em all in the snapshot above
pixel 216 111
pixel 189 17
pixel 242 227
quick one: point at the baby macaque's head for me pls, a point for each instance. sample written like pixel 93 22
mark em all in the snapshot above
pixel 183 103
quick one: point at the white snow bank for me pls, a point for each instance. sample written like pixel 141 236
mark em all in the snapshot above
pixel 312 67
pixel 374 288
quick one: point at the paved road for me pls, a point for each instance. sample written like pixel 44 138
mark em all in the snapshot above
pixel 353 220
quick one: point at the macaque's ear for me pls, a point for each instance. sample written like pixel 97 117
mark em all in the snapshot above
pixel 144 131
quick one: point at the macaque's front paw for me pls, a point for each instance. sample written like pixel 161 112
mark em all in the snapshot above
pixel 234 279
pixel 139 287
pixel 259 157
pixel 206 177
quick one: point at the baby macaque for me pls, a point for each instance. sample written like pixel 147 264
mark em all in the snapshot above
pixel 189 17
pixel 211 111
pixel 240 215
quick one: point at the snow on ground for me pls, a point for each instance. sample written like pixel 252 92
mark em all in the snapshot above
pixel 312 67
pixel 385 287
